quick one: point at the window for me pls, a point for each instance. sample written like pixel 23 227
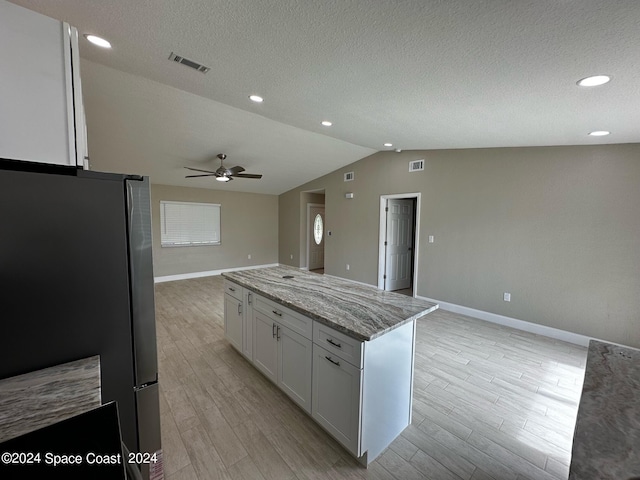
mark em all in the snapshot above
pixel 185 224
pixel 317 229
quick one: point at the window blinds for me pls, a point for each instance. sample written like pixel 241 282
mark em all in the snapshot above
pixel 189 224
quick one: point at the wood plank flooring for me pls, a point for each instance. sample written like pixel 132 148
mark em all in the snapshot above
pixel 490 402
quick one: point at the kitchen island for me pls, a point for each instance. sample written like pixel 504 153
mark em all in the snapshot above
pixel 341 350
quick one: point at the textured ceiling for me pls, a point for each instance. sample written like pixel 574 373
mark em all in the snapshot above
pixel 421 74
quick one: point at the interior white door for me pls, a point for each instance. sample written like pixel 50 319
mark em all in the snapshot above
pixel 316 237
pixel 399 244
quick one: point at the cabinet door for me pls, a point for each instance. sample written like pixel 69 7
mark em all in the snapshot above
pixel 337 397
pixel 233 321
pixel 265 348
pixel 36 88
pixel 247 333
pixel 294 366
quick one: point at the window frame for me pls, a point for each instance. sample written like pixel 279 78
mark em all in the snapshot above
pixel 196 230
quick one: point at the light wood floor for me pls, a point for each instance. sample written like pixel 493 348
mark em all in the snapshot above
pixel 489 403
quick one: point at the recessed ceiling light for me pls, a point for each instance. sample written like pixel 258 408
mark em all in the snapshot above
pixel 256 98
pixel 599 133
pixel 101 42
pixel 326 123
pixel 593 81
pixel 388 144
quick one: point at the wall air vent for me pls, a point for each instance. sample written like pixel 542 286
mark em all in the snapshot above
pixel 188 63
pixel 416 165
pixel 349 176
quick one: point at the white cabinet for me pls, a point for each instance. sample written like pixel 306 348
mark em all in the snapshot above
pixel 337 387
pixel 265 350
pixel 238 318
pixel 294 366
pixel 362 390
pixel 233 321
pixel 281 354
pixel 247 332
pixel 41 108
pixel 358 391
pixel 234 314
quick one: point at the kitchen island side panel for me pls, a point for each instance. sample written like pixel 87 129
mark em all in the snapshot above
pixel 387 388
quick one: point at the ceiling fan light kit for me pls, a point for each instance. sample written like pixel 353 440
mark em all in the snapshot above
pixel 223 174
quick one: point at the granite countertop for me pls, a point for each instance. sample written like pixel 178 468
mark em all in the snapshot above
pixel 37 399
pixel 359 311
pixel 606 443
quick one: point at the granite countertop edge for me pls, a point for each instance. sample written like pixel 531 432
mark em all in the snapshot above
pixel 607 429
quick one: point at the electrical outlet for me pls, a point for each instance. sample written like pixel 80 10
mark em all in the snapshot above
pixel 431 239
pixel 507 297
pixel 348 266
pixel 249 256
pixel 292 256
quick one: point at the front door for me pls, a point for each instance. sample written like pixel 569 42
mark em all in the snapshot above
pixel 399 244
pixel 316 237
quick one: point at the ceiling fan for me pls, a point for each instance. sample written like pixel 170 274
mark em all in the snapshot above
pixel 223 174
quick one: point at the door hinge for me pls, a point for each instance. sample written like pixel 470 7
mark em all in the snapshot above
pixel 386 209
pixel 385 244
pixel 384 277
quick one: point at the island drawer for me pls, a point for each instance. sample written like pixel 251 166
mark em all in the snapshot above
pixel 284 316
pixel 233 289
pixel 345 347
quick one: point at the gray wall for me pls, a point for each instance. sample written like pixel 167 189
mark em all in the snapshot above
pixel 557 227
pixel 248 224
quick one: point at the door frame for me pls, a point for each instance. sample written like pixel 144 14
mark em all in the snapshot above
pixel 383 231
pixel 309 207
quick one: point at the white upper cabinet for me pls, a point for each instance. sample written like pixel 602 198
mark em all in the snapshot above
pixel 41 109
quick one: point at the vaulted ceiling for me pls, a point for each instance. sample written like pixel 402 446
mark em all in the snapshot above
pixel 420 74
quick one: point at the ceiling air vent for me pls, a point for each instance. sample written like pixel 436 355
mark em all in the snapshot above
pixel 188 63
pixel 349 176
pixel 416 165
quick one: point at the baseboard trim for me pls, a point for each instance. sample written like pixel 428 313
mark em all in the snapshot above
pixel 551 332
pixel 209 273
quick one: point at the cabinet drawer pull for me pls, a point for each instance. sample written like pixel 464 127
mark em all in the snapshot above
pixel 277 332
pixel 338 345
pixel 273 330
pixel 332 361
pixel 277 313
pixel 232 289
pixel 249 298
pixel 239 309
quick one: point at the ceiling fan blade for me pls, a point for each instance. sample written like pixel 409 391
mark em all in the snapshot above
pixel 198 170
pixel 207 175
pixel 236 169
pixel 248 175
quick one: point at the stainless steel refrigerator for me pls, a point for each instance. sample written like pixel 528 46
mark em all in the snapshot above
pixel 76 280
